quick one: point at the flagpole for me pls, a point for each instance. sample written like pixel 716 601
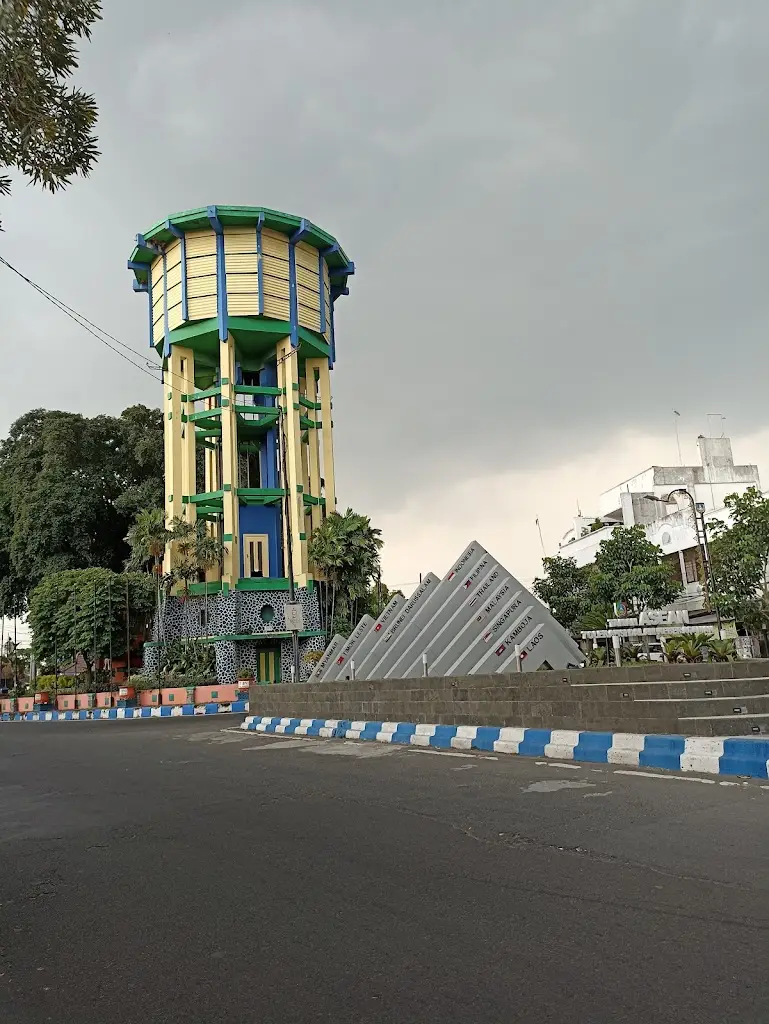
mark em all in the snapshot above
pixel 677 415
pixel 542 543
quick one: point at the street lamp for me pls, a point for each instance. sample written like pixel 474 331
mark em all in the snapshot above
pixel 698 512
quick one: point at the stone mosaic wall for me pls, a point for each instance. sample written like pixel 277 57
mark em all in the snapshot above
pixel 239 612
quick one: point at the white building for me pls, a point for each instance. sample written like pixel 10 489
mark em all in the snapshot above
pixel 646 499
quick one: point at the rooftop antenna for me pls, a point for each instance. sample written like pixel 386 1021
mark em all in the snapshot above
pixel 677 416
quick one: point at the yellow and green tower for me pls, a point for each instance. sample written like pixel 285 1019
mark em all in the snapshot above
pixel 241 313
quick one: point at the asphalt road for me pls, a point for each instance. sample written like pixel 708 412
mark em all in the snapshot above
pixel 177 870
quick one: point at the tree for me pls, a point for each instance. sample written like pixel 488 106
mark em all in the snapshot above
pixel 197 551
pixel 46 127
pixel 69 488
pixel 565 589
pixel 147 539
pixel 629 568
pixel 345 552
pixel 740 559
pixel 83 612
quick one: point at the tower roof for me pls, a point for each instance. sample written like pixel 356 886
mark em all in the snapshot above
pixel 340 267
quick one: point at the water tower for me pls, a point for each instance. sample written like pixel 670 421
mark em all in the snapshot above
pixel 241 313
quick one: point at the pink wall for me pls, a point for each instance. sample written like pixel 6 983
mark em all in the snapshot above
pixel 103 700
pixel 7 705
pixel 84 700
pixel 26 703
pixel 66 702
pixel 208 694
pixel 173 695
pixel 148 698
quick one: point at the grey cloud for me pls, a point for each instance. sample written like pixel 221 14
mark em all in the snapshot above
pixel 557 212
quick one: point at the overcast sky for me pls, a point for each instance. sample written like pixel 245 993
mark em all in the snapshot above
pixel 557 209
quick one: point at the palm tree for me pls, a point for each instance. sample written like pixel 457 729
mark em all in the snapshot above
pixel 147 538
pixel 689 647
pixel 722 650
pixel 345 552
pixel 671 647
pixel 197 551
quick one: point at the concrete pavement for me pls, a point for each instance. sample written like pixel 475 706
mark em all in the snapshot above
pixel 182 870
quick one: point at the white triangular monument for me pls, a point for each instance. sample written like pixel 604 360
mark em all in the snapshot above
pixel 478 620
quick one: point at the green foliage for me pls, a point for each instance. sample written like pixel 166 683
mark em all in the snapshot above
pixel 344 550
pixel 628 567
pixel 597 657
pixel 594 618
pixel 46 127
pixel 740 560
pixel 187 662
pixel 691 647
pixel 47 683
pixel 142 682
pixel 196 549
pixel 82 612
pixel 147 538
pixel 670 647
pixel 565 589
pixel 69 488
pixel 722 650
pixel 632 653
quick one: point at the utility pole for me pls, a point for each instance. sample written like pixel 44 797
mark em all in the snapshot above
pixel 109 619
pixel 296 669
pixel 15 657
pixel 698 514
pixel 127 634
pixel 94 630
pixel 700 508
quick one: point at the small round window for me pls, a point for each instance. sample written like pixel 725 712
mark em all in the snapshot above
pixel 267 614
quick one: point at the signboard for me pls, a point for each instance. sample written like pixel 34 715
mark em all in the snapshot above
pixel 469 622
pixel 370 638
pixel 384 645
pixel 336 645
pixel 455 589
pixel 340 665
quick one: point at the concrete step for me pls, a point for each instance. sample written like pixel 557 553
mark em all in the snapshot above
pixel 725 725
pixel 657 691
pixel 698 707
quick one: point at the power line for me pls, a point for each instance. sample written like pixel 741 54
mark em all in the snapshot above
pixel 88 325
pixel 82 321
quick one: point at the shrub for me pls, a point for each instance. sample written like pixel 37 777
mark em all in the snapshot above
pixel 142 682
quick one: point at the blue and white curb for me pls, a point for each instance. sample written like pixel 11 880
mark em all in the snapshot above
pixel 115 714
pixel 675 753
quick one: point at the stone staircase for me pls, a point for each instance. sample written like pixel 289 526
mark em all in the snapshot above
pixel 714 705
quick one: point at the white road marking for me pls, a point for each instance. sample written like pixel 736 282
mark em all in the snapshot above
pixel 437 753
pixel 682 778
pixel 586 796
pixel 560 764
